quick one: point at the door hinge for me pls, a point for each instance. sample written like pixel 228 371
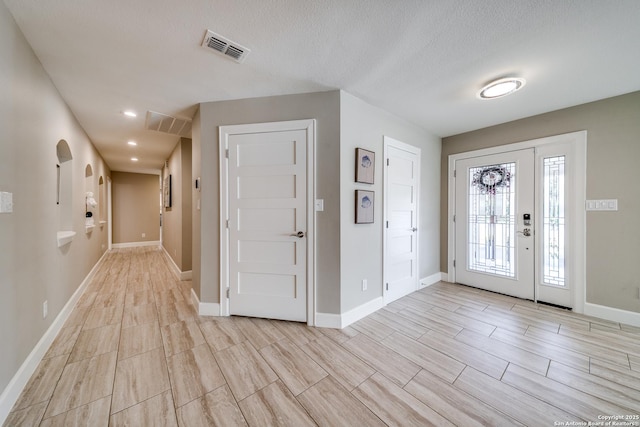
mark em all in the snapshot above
pixel 454 262
pixel 227 292
pixel 387 286
pixel 227 223
pixel 454 173
pixel 387 162
pixel 226 153
pixel 387 224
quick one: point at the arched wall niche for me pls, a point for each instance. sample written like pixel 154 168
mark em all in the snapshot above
pixel 64 192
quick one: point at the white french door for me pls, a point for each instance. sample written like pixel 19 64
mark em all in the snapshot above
pixel 494 246
pixel 401 190
pixel 518 219
pixel 267 224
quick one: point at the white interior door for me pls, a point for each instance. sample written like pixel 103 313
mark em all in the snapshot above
pixel 494 238
pixel 402 180
pixel 267 222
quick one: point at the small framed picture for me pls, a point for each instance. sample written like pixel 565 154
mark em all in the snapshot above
pixel 365 165
pixel 167 191
pixel 364 206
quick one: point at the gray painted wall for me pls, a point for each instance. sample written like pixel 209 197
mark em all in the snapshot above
pixel 361 245
pixel 33 118
pixel 613 150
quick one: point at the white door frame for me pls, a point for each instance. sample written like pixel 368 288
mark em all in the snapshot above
pixel 309 126
pixel 390 142
pixel 109 215
pixel 578 230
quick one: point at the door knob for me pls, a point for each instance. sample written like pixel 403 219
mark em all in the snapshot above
pixel 414 229
pixel 299 234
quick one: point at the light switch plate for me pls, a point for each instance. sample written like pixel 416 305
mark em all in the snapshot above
pixel 602 205
pixel 319 205
pixel 6 202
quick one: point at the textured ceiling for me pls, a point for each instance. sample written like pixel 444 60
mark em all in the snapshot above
pixel 423 60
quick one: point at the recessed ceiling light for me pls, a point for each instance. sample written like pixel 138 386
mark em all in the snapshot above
pixel 134 159
pixel 132 143
pixel 501 87
pixel 130 113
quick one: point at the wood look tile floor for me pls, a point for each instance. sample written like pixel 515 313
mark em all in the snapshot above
pixel 134 352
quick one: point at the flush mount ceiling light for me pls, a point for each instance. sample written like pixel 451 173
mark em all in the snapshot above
pixel 501 87
pixel 132 143
pixel 134 159
pixel 130 113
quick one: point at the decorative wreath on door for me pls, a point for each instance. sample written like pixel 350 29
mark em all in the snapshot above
pixel 490 178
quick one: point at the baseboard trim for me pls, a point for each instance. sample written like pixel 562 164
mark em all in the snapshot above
pixel 12 391
pixel 328 320
pixel 339 321
pixel 204 308
pixel 182 275
pixel 135 244
pixel 431 280
pixel 612 314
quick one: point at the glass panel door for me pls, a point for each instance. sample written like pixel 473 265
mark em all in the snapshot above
pixel 494 246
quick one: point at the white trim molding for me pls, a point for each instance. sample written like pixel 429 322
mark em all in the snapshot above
pixel 204 308
pixel 433 279
pixel 612 314
pixel 182 275
pixel 135 244
pixel 339 321
pixel 12 391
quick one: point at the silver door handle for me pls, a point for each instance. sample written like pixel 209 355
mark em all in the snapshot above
pixel 526 232
pixel 414 229
pixel 299 234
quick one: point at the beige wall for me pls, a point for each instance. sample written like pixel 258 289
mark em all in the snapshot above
pixel 196 165
pixel 325 108
pixel 343 122
pixel 613 150
pixel 176 225
pixel 136 207
pixel 33 269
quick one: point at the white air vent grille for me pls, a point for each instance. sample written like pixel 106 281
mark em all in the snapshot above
pixel 168 124
pixel 225 46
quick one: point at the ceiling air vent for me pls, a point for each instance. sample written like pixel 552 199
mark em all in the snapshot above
pixel 168 124
pixel 225 46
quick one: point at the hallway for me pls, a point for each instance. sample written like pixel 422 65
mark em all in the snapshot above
pixel 134 352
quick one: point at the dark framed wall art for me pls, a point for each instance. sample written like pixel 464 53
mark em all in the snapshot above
pixel 365 166
pixel 364 206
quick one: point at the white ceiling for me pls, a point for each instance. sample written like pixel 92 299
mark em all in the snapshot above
pixel 423 60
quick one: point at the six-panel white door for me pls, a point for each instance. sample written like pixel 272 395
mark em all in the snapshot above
pixel 267 203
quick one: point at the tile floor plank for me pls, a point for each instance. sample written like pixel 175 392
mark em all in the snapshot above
pixel 505 351
pixel 217 408
pixel 193 373
pixel 138 378
pixel 274 405
pixel 426 357
pixel 155 411
pixel 244 369
pixel 395 406
pixel 330 404
pixel 392 365
pixel 458 407
pixel 348 369
pixel 511 401
pixel 469 355
pixel 568 399
pixel 296 370
pixel 448 345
